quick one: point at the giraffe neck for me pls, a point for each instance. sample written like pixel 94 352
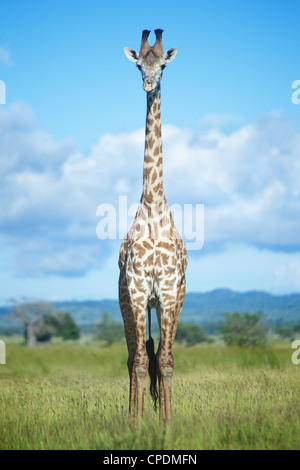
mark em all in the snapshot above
pixel 153 191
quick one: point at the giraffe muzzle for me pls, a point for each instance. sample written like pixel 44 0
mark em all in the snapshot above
pixel 149 85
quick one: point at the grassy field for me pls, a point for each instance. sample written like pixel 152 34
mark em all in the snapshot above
pixel 76 397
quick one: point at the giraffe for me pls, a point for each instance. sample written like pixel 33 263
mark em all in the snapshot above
pixel 153 257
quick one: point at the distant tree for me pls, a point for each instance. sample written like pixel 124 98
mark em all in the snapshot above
pixel 243 329
pixel 31 314
pixel 45 331
pixel 285 331
pixel 59 324
pixel 190 334
pixel 297 328
pixel 109 331
pixel 211 327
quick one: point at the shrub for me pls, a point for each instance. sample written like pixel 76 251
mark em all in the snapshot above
pixel 243 329
pixel 190 334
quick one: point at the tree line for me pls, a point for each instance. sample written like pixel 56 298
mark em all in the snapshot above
pixel 41 323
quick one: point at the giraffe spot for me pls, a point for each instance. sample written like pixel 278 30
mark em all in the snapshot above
pixel 156 151
pixel 147 245
pixel 149 261
pixel 149 198
pixel 157 116
pixel 160 162
pixel 139 283
pixel 173 260
pixel 149 211
pixel 169 270
pixel 164 258
pixel 139 250
pixel 169 284
pixel 138 230
pixel 166 246
pixel 157 131
pixel 147 172
pixel 157 187
pixel 154 176
pixel 168 297
pixel 148 159
pixel 151 142
pixel 158 261
pixel 137 271
pixel 154 107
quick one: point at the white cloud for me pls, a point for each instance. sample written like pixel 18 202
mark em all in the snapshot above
pixel 247 180
pixel 50 192
pixel 287 276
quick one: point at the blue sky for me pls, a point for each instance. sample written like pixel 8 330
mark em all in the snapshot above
pixel 72 129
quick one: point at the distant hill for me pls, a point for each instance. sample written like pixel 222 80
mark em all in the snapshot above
pixel 200 308
pixel 210 306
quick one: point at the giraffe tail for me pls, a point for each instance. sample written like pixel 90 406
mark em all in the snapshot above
pixel 152 363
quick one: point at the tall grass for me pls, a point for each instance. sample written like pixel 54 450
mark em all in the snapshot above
pixel 76 397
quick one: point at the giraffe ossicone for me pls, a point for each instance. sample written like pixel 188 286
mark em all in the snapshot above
pixel 153 257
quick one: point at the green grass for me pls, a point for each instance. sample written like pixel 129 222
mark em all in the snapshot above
pixel 76 397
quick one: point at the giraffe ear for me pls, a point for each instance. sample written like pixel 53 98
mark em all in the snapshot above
pixel 170 54
pixel 131 54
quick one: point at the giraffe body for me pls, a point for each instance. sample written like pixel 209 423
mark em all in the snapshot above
pixel 153 257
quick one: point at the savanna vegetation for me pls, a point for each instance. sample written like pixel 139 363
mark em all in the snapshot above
pixel 72 396
pixel 235 389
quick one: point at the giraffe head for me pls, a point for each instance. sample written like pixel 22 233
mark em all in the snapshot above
pixel 151 60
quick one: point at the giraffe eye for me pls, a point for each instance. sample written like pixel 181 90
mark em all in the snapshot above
pixel 139 66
